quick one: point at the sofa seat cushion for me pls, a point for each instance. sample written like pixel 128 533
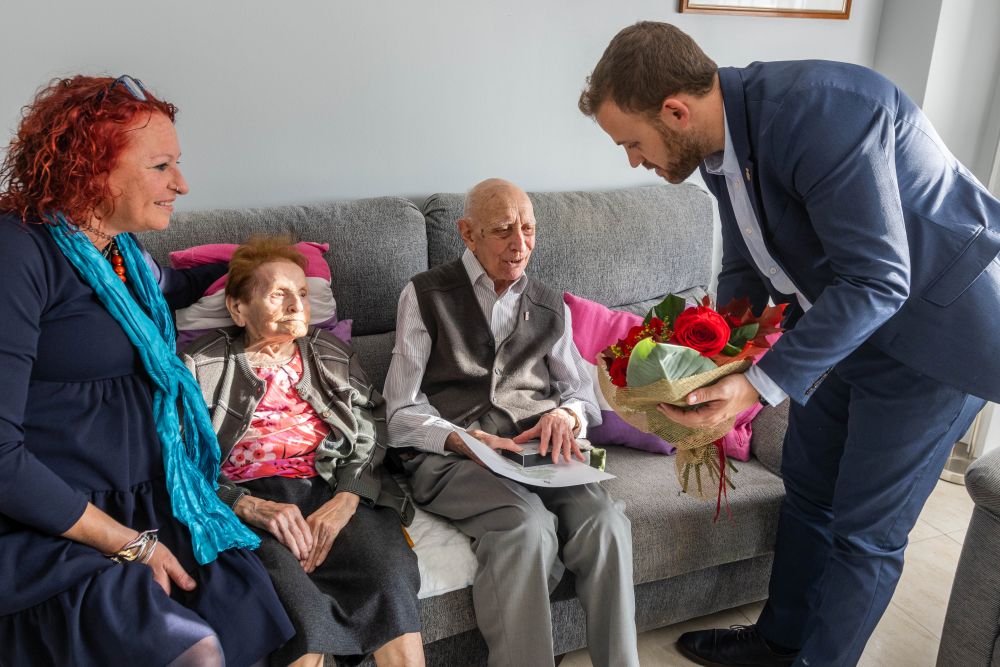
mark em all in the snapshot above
pixel 673 533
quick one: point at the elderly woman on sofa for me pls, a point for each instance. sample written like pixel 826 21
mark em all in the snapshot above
pixel 302 434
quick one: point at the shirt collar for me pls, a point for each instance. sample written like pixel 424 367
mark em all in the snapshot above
pixel 726 161
pixel 477 274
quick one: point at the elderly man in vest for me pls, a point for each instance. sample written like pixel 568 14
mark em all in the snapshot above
pixel 481 347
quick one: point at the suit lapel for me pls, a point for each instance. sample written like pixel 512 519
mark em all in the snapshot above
pixel 733 97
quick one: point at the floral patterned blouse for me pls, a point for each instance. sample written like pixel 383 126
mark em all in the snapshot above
pixel 284 431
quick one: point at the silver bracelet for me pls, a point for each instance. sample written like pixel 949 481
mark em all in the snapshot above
pixel 139 549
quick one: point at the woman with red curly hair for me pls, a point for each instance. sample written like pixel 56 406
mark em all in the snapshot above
pixel 114 548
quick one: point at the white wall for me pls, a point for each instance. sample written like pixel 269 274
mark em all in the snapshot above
pixel 962 80
pixel 946 55
pixel 308 100
pixel 905 43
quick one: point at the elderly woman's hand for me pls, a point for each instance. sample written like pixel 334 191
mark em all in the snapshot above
pixel 282 520
pixel 326 524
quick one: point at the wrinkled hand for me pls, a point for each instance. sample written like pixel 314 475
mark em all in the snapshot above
pixel 167 568
pixel 283 520
pixel 456 445
pixel 326 524
pixel 555 430
pixel 720 402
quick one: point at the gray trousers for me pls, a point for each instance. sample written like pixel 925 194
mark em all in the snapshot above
pixel 516 531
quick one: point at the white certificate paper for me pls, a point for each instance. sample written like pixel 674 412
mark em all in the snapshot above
pixel 564 473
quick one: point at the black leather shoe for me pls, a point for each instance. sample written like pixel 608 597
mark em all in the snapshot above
pixel 739 646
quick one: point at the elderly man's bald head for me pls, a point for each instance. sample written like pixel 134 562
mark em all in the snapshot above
pixel 489 194
pixel 498 226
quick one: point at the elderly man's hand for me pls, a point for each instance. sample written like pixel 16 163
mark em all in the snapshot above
pixel 718 403
pixel 456 445
pixel 556 429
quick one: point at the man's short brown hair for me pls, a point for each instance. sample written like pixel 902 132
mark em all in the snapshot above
pixel 643 65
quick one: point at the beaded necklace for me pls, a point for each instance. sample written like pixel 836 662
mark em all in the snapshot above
pixel 117 261
pixel 110 251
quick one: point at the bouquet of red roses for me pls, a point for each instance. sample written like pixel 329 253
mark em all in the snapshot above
pixel 676 350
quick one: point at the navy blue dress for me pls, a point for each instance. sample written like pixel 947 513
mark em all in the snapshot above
pixel 76 425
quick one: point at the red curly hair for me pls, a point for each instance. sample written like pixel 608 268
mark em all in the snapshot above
pixel 69 140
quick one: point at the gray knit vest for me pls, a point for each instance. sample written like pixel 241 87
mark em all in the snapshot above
pixel 467 376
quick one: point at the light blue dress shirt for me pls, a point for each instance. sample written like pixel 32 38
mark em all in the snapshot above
pixel 728 166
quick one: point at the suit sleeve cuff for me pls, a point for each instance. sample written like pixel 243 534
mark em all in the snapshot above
pixel 765 386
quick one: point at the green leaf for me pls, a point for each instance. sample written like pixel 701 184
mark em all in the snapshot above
pixel 667 310
pixel 651 361
pixel 731 350
pixel 739 337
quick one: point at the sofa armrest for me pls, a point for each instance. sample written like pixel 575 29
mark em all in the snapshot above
pixel 972 624
pixel 982 481
pixel 769 436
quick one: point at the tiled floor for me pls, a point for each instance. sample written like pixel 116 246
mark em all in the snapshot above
pixel 910 630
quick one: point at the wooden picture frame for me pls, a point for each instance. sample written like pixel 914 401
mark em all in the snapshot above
pixel 813 9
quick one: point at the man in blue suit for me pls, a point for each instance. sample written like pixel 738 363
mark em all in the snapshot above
pixel 836 196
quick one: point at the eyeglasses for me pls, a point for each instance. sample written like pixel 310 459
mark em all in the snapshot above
pixel 132 85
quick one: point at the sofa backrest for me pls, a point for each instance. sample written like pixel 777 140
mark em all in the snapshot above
pixel 624 248
pixel 376 246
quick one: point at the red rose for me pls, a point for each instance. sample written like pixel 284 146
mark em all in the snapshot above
pixel 701 329
pixel 635 334
pixel 617 371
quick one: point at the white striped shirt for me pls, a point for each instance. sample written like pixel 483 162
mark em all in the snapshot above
pixel 414 422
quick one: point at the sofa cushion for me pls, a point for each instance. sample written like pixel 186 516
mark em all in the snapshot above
pixel 215 253
pixel 769 436
pixel 673 533
pixel 591 243
pixel 362 234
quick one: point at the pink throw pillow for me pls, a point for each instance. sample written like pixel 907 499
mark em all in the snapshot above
pixel 215 253
pixel 210 313
pixel 595 327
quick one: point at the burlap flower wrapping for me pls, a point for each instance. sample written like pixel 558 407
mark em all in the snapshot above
pixel 697 458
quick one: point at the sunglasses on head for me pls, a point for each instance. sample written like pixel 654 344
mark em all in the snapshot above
pixel 132 85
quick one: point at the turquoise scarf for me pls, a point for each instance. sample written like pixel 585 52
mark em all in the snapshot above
pixel 191 460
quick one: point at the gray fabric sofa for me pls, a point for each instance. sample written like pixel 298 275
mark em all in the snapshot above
pixel 971 635
pixel 624 248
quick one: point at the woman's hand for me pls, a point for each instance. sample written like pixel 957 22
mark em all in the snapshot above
pixel 326 524
pixel 167 568
pixel 98 530
pixel 282 520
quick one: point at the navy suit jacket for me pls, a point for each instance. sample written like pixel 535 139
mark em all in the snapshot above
pixel 890 238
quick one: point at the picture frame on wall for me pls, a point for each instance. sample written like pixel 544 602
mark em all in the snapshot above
pixel 815 9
